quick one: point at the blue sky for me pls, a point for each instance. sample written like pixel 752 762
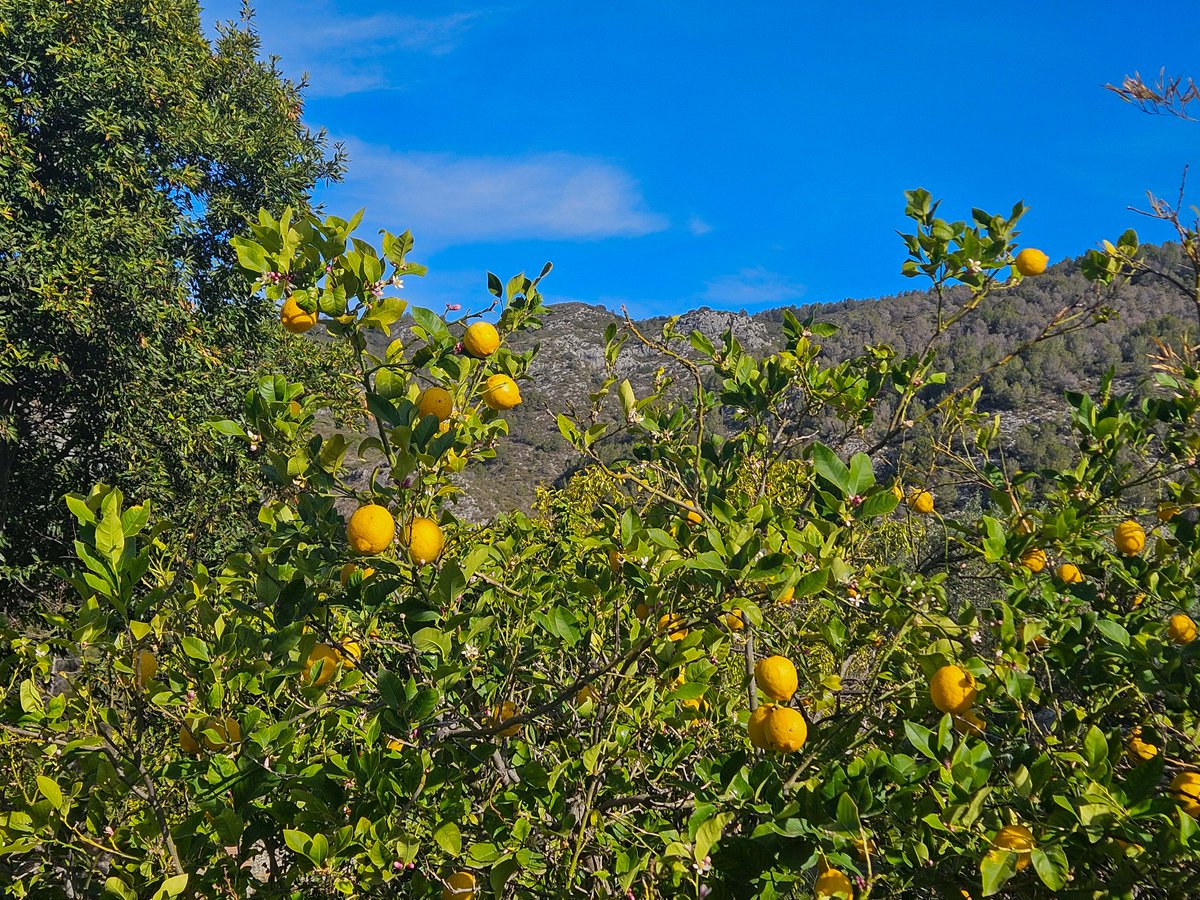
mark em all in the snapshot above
pixel 667 155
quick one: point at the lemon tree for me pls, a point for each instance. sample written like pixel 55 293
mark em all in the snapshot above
pixel 731 659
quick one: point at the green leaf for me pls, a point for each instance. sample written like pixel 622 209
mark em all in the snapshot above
pixel 110 535
pixel 50 790
pixel 194 647
pixel 297 841
pixel 118 888
pixel 847 814
pixel 1114 631
pixel 996 868
pixel 831 468
pixel 708 834
pixel 862 477
pixel 921 738
pixel 482 854
pixel 449 838
pixel 1051 865
pixel 172 887
pixel 1095 747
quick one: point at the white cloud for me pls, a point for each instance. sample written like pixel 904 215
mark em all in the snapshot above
pixel 450 199
pixel 751 287
pixel 698 226
pixel 346 54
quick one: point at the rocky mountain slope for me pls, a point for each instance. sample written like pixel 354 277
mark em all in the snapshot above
pixel 1028 390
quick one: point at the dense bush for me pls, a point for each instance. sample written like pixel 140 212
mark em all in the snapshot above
pixel 131 149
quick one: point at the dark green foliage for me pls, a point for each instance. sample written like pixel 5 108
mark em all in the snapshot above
pixel 130 150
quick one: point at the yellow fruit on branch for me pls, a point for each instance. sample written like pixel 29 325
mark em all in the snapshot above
pixel 735 620
pixel 459 886
pixel 1070 574
pixel 349 569
pixel 435 401
pixel 1129 537
pixel 481 340
pixel 921 502
pixel 586 693
pixel 897 491
pixel 145 667
pixel 694 518
pixel 833 883
pixel 776 677
pixel 1031 262
pixel 350 652
pixel 425 541
pixel 1185 787
pixel 1016 839
pixel 788 595
pixel 295 319
pixel 1166 512
pixel 216 733
pixel 1139 750
pixel 501 393
pixel 321 664
pixel 673 626
pixel 952 689
pixel 756 726
pixel 188 742
pixel 785 730
pixel 1181 629
pixel 371 529
pixel 497 715
pixel 614 561
pixel 1034 559
pixel 642 611
pixel 968 724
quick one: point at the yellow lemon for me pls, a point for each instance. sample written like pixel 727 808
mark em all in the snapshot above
pixel 1129 537
pixel 585 694
pixel 1034 559
pixel 325 656
pixel 503 713
pixel 735 621
pixel 694 518
pixel 435 401
pixel 1016 839
pixel 673 625
pixel 349 569
pixel 459 886
pixel 1139 750
pixel 295 319
pixel 833 883
pixel 1166 512
pixel 425 541
pixel 501 393
pixel 396 745
pixel 921 502
pixel 1069 573
pixel 481 339
pixel 1031 262
pixel 1023 526
pixel 785 730
pixel 145 667
pixel 642 611
pixel 614 560
pixel 370 529
pixel 776 677
pixel 967 723
pixel 188 741
pixel 756 726
pixel 788 595
pixel 1181 629
pixel 350 652
pixel 897 491
pixel 1185 787
pixel 224 731
pixel 952 689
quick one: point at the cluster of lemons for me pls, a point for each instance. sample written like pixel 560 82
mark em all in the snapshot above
pixel 1130 539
